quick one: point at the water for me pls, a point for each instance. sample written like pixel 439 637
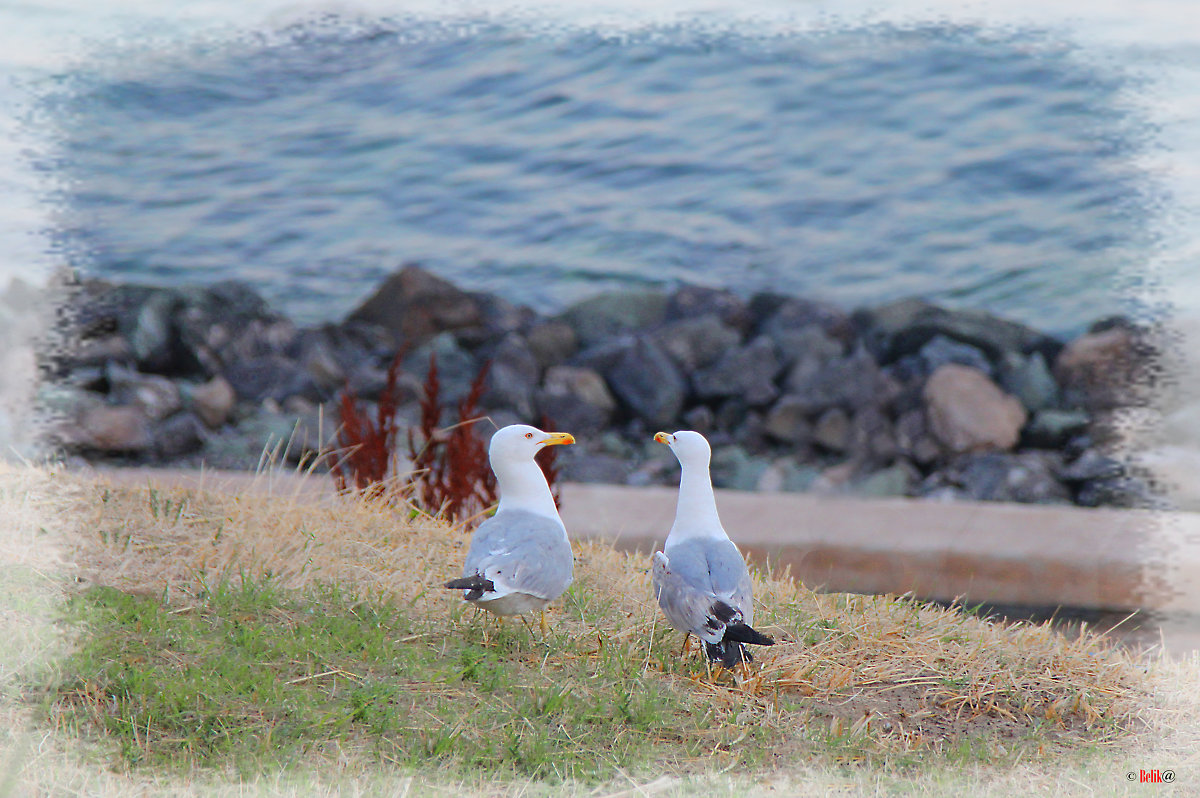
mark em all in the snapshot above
pixel 979 169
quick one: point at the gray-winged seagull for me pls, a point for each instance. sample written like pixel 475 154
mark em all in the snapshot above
pixel 700 578
pixel 519 559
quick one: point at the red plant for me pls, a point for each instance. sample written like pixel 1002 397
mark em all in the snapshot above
pixel 450 473
pixel 367 445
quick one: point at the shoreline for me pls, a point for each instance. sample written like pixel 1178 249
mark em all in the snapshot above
pixel 795 394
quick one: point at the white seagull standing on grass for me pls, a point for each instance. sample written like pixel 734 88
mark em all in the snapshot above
pixel 700 578
pixel 520 559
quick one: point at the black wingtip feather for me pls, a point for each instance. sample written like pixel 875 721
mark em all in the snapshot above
pixel 477 584
pixel 746 634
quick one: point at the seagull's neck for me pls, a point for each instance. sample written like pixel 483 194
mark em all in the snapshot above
pixel 523 487
pixel 696 513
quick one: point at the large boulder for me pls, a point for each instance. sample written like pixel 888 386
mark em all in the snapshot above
pixel 1029 379
pixel 414 305
pixel 968 412
pixel 694 301
pixel 114 429
pixel 213 402
pixel 576 398
pixel 551 341
pixel 456 368
pixel 778 314
pixel 647 382
pixel 1027 477
pixel 512 376
pixel 904 327
pixel 612 313
pixel 849 382
pixel 696 342
pixel 273 377
pixel 748 371
pixel 1102 369
pixel 787 422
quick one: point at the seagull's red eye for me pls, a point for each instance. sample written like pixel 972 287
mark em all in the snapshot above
pixel 529 435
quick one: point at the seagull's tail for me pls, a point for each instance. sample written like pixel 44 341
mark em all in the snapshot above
pixel 746 634
pixel 475 584
pixel 731 651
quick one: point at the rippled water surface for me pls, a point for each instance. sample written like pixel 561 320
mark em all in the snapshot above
pixel 860 165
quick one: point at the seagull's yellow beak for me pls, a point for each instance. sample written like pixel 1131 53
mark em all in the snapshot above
pixel 662 437
pixel 556 438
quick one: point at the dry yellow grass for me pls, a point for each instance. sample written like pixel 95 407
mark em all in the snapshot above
pixel 880 674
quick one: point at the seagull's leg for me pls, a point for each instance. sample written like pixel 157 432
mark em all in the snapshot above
pixel 687 643
pixel 527 626
pixel 545 626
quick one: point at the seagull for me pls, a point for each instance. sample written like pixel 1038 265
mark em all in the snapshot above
pixel 520 559
pixel 700 578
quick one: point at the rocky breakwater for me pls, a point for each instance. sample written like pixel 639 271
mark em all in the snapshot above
pixel 795 394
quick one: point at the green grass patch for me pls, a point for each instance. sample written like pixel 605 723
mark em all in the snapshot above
pixel 250 677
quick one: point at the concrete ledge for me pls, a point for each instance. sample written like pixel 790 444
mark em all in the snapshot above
pixel 984 552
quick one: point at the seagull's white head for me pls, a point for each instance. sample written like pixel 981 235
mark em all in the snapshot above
pixel 689 447
pixel 520 442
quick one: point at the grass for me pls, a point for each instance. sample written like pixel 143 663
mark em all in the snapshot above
pixel 258 635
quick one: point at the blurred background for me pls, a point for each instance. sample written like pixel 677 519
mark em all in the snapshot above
pixel 1028 161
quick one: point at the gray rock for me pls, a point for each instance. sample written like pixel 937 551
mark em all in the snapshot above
pixel 1051 429
pixel 778 314
pixel 1092 465
pixel 872 437
pixel 576 398
pixel 1104 370
pixel 647 383
pixel 787 422
pixel 849 382
pixel 1029 379
pixel 903 327
pixel 748 372
pixel 697 342
pixel 605 315
pixel 940 350
pixel 154 337
pixel 693 301
pixel 157 396
pixel 179 435
pixel 969 412
pixel 733 468
pixel 512 376
pixel 414 305
pixel 552 342
pixel 808 342
pixel 498 318
pixel 897 479
pixel 1121 491
pixel 1022 477
pixel 832 430
pixel 913 438
pixel 320 360
pixel 699 418
pixel 456 368
pixel 116 430
pixel 269 377
pixel 798 478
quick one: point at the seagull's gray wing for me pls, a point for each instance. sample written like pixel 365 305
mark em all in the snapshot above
pixel 520 552
pixel 688 607
pixel 716 567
